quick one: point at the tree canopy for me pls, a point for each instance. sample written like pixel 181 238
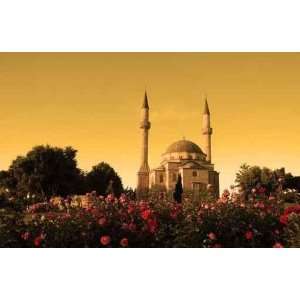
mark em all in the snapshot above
pixel 47 171
pixel 104 180
pixel 252 176
pixel 44 171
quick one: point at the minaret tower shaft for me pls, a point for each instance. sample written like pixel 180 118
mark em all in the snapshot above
pixel 143 173
pixel 207 131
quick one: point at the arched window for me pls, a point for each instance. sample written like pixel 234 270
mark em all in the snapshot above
pixel 161 178
pixel 195 174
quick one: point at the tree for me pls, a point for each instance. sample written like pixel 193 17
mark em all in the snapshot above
pixel 250 177
pixel 104 180
pixel 6 181
pixel 45 171
pixel 177 195
pixel 293 183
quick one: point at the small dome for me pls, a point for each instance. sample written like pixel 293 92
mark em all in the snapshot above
pixel 184 146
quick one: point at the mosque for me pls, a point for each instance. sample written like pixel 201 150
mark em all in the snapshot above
pixel 182 157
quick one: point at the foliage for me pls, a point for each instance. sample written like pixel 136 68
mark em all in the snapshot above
pixel 10 224
pixel 234 224
pixel 47 171
pixel 44 171
pixel 3 198
pixel 97 221
pixel 249 177
pixel 290 196
pixel 107 218
pixel 292 183
pixel 290 218
pixel 178 190
pixel 104 180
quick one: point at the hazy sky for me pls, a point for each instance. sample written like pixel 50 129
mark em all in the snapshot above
pixel 92 102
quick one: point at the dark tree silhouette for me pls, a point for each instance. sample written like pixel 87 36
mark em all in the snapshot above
pixel 253 176
pixel 292 183
pixel 177 195
pixel 45 171
pixel 104 180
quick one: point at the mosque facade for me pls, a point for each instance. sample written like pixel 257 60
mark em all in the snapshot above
pixel 182 157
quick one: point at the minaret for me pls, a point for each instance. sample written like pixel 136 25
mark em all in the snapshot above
pixel 206 131
pixel 143 173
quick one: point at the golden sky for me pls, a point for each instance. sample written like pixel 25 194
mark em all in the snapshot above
pixel 92 102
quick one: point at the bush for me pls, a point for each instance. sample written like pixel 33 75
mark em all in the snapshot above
pixel 97 221
pixel 3 200
pixel 290 218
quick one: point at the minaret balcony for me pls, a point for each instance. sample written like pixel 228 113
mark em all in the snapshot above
pixel 145 125
pixel 207 131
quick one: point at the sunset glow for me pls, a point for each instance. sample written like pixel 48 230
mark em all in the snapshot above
pixel 92 102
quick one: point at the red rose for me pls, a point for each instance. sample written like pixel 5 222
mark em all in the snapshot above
pixel 37 241
pixel 146 214
pixel 212 236
pixel 249 235
pixel 110 198
pixel 292 209
pixel 102 221
pixel 132 227
pixel 173 215
pixel 152 225
pixel 123 199
pixel 261 190
pixel 143 205
pixel 130 209
pixel 125 226
pixel 124 242
pixel 284 219
pixel 277 245
pixel 105 240
pixel 25 235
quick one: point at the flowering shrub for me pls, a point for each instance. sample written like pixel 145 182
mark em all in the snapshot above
pixel 96 221
pixel 290 219
pixel 232 224
pixel 9 229
pixel 39 207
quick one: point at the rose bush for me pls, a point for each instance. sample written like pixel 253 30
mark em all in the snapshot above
pixel 96 221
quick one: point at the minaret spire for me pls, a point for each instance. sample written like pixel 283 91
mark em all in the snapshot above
pixel 206 130
pixel 206 109
pixel 143 173
pixel 145 103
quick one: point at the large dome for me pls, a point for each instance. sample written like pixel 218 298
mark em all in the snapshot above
pixel 184 146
